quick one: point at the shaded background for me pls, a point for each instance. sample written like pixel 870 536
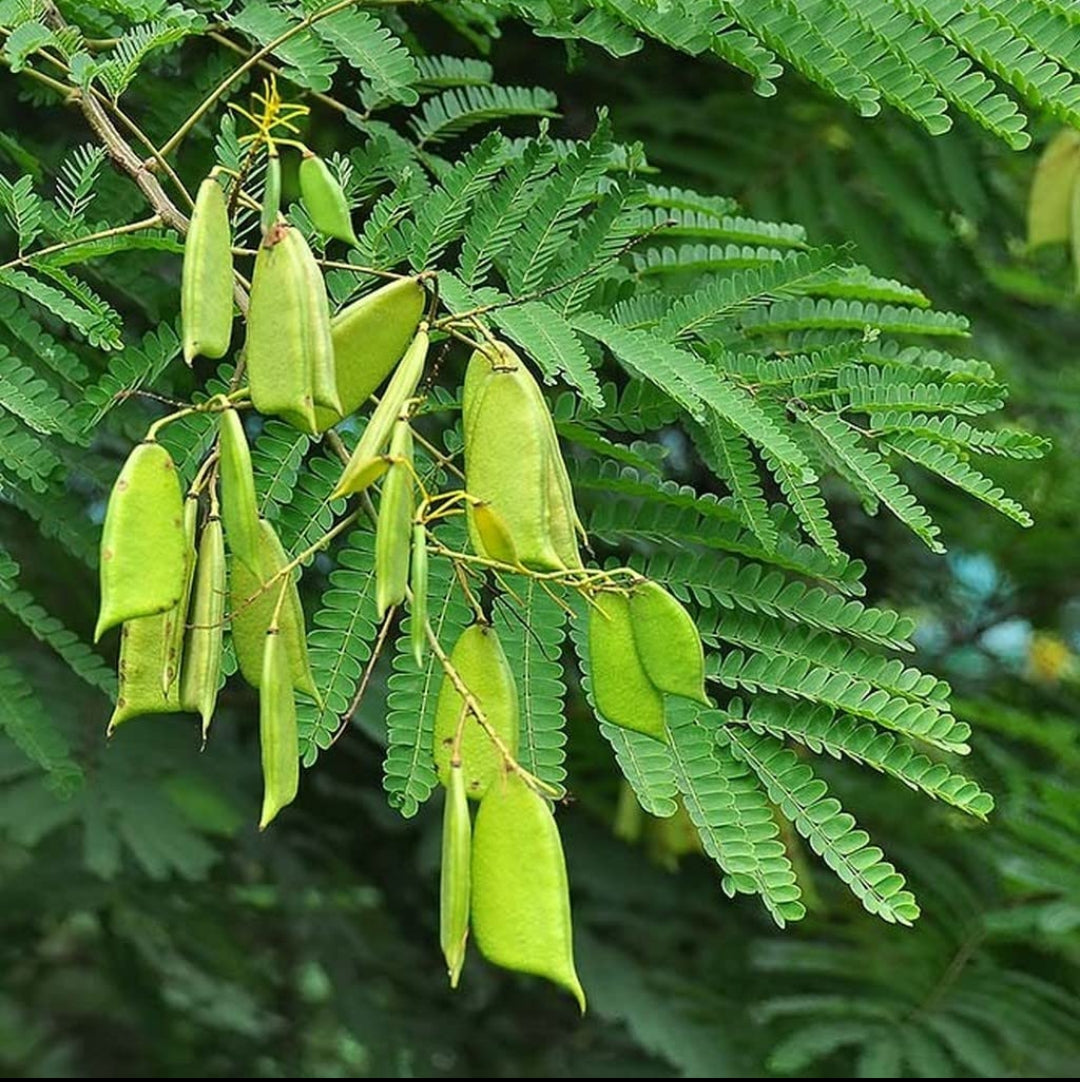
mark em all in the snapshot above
pixel 160 935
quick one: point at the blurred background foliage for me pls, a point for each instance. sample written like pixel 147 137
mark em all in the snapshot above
pixel 146 929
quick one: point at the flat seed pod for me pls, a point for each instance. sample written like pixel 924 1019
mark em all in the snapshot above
pixel 239 507
pixel 143 561
pixel 454 880
pixel 278 735
pixel 667 642
pixel 622 690
pixel 251 619
pixel 419 586
pixel 494 534
pixel 272 192
pixel 206 288
pixel 364 466
pixel 324 199
pixel 369 337
pixel 479 660
pixel 143 646
pixel 507 460
pixel 393 534
pixel 520 895
pixel 281 338
pixel 1050 199
pixel 200 675
pixel 176 617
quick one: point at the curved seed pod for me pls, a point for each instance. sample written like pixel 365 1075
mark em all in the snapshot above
pixel 143 564
pixel 507 459
pixel 494 534
pixel 251 619
pixel 206 288
pixel 419 575
pixel 364 466
pixel 277 730
pixel 176 617
pixel 454 880
pixel 623 692
pixel 369 338
pixel 272 192
pixel 1050 198
pixel 143 646
pixel 565 523
pixel 667 642
pixel 520 895
pixel 239 508
pixel 200 675
pixel 290 356
pixel 394 528
pixel 324 199
pixel 479 660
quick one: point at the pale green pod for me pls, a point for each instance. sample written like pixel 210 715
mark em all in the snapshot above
pixel 239 506
pixel 622 690
pixel 200 676
pixel 324 199
pixel 278 734
pixel 143 547
pixel 271 204
pixel 419 588
pixel 176 617
pixel 479 660
pixel 367 463
pixel 667 642
pixel 370 336
pixel 393 534
pixel 454 879
pixel 251 619
pixel 493 534
pixel 507 461
pixel 143 646
pixel 285 332
pixel 1050 201
pixel 206 287
pixel 520 894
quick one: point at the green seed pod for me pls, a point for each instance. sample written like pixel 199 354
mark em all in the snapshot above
pixel 508 459
pixel 143 647
pixel 176 617
pixel 394 528
pixel 1050 199
pixel 623 692
pixel 494 534
pixel 272 192
pixel 239 507
pixel 324 199
pixel 201 672
pixel 277 730
pixel 667 642
pixel 419 575
pixel 520 895
pixel 290 354
pixel 206 288
pixel 454 881
pixel 479 660
pixel 370 337
pixel 367 463
pixel 143 563
pixel 251 619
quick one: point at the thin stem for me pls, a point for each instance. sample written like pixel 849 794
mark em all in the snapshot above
pixel 376 652
pixel 115 231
